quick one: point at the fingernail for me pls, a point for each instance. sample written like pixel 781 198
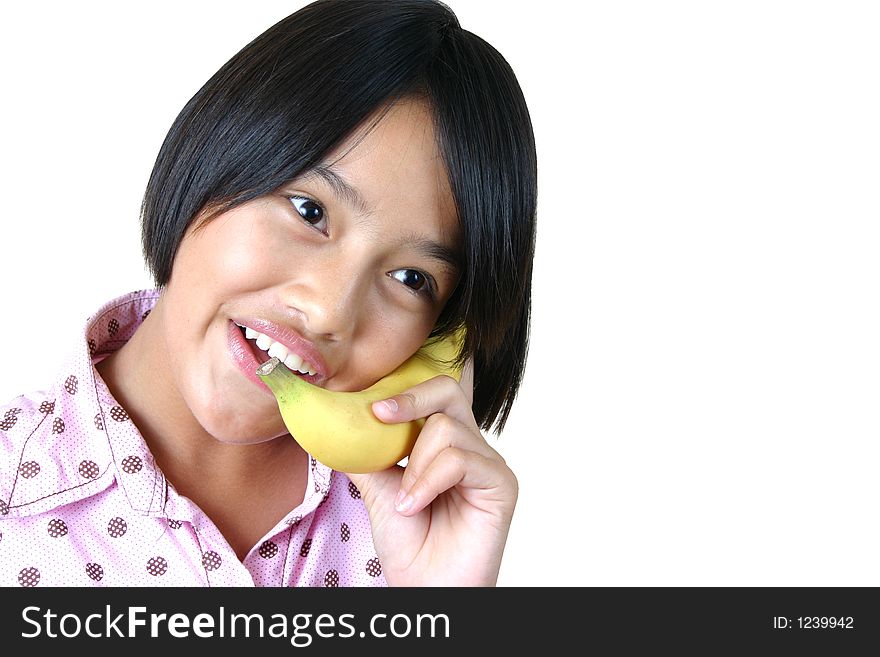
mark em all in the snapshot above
pixel 391 405
pixel 405 504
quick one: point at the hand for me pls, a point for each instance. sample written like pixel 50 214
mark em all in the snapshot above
pixel 442 520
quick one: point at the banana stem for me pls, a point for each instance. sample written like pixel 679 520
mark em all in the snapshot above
pixel 268 367
pixel 279 379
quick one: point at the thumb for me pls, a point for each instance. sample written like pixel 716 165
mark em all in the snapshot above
pixel 441 394
pixel 399 408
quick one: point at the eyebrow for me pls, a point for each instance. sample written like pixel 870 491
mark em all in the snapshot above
pixel 341 187
pixel 431 249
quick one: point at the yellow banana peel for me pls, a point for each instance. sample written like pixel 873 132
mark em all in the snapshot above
pixel 339 428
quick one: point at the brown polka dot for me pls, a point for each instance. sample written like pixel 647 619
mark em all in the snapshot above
pixel 112 327
pixel 175 524
pixel 93 346
pixel 4 508
pixel 29 469
pixel 293 522
pixel 71 384
pixel 268 549
pixel 211 560
pixel 117 527
pixel 9 419
pixel 132 464
pixel 47 407
pixel 353 491
pixel 331 579
pixel 157 566
pixel 29 576
pixel 99 421
pixel 88 469
pixel 118 413
pixel 95 571
pixel 57 527
pixel 374 568
pixel 58 425
pixel 344 533
pixel 306 546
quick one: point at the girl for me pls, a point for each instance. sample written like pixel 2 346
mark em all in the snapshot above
pixel 358 178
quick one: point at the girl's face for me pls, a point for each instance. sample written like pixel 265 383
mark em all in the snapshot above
pixel 347 268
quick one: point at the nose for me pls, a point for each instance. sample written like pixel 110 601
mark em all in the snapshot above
pixel 330 300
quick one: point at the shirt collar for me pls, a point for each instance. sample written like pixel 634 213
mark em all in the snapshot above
pixel 73 436
pixel 136 471
pixel 134 467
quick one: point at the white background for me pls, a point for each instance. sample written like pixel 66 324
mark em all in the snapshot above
pixel 700 405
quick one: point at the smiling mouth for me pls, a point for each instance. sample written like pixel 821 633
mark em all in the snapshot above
pixel 265 348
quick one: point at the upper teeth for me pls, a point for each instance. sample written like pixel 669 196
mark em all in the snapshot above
pixel 279 351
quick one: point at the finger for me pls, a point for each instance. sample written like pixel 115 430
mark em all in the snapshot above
pixel 440 394
pixel 439 433
pixel 453 467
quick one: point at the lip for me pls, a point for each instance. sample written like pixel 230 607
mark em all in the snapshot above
pixel 244 356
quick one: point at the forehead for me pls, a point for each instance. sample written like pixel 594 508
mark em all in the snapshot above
pixel 394 162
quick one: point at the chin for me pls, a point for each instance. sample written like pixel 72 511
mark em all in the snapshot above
pixel 246 440
pixel 240 428
pixel 232 436
pixel 235 418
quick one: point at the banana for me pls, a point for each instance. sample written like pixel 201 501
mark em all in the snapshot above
pixel 339 428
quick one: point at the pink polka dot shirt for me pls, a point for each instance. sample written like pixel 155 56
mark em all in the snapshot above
pixel 82 502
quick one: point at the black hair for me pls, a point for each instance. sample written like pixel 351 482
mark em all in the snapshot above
pixel 298 90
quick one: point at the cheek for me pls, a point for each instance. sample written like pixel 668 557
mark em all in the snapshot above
pixel 375 357
pixel 233 252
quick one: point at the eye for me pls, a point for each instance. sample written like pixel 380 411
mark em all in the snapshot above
pixel 311 212
pixel 413 279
